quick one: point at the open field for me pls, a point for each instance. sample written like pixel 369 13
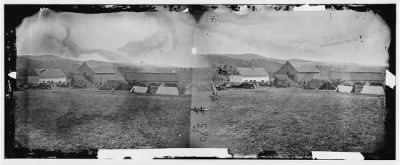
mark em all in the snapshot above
pixel 73 119
pixel 294 121
pixel 291 121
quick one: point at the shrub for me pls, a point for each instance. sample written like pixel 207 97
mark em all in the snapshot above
pixel 375 84
pixel 282 83
pixel 336 82
pixel 314 84
pixel 327 86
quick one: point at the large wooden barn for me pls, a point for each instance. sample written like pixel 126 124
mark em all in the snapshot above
pixel 300 71
pixel 100 72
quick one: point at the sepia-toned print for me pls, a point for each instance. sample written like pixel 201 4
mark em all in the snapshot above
pixel 250 81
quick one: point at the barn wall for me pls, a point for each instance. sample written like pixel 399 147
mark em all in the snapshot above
pixel 358 76
pixel 55 80
pixel 324 72
pixel 307 76
pixel 257 79
pixel 84 68
pixel 288 69
pixel 101 79
pixel 235 79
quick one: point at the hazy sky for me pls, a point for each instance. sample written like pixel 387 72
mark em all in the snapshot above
pixel 130 37
pixel 168 37
pixel 332 36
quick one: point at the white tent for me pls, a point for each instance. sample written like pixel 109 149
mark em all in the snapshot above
pixel 139 89
pixel 167 90
pixel 188 89
pixel 329 155
pixel 344 89
pixel 375 90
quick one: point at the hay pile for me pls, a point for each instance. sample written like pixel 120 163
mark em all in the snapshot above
pixel 336 83
pixel 314 84
pixel 321 84
pixel 114 84
pixel 327 86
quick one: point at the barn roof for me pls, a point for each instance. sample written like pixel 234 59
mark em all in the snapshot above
pixel 151 77
pixel 304 66
pixel 101 67
pixel 49 73
pixel 252 72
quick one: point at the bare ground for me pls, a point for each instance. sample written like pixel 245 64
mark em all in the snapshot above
pixel 74 119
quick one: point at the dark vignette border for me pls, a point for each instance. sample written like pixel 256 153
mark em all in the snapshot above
pixel 14 14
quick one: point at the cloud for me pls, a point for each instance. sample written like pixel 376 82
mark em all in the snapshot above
pixel 116 37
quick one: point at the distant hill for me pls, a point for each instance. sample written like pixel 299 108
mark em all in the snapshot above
pixel 246 60
pixel 250 56
pixel 27 63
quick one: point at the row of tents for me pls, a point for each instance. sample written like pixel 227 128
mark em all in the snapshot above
pixel 161 90
pixel 373 90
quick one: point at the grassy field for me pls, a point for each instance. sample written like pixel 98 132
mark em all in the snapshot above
pixel 291 121
pixel 74 119
pixel 295 121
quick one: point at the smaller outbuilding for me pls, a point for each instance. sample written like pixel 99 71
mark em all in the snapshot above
pixel 47 76
pixel 249 75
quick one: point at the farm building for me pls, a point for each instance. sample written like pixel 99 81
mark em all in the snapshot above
pixel 250 75
pixel 358 76
pixel 300 71
pixel 369 74
pixel 149 78
pixel 33 79
pixel 99 72
pixel 47 75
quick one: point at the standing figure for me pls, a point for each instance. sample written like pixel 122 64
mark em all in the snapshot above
pixel 214 89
